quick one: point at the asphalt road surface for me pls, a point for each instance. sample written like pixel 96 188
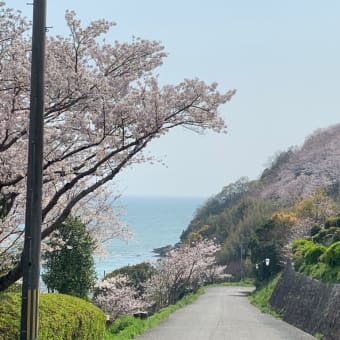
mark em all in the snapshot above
pixel 223 313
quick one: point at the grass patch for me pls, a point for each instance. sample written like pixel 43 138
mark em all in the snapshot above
pixel 260 297
pixel 249 282
pixel 319 336
pixel 322 272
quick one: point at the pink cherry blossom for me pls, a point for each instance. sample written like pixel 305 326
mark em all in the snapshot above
pixel 116 297
pixel 184 269
pixel 103 107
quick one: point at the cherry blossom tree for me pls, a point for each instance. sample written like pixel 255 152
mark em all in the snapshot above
pixel 116 297
pixel 103 106
pixel 184 269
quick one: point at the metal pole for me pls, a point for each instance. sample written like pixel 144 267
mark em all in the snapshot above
pixel 31 254
pixel 241 255
pixel 241 260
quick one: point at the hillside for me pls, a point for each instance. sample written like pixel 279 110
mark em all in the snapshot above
pixel 242 212
pixel 298 172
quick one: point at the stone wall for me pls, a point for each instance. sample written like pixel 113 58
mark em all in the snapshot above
pixel 308 304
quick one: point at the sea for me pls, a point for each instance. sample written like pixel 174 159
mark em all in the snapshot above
pixel 155 222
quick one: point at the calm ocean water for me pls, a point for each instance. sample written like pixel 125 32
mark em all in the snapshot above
pixel 155 222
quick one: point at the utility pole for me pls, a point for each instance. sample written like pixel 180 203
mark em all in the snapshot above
pixel 33 218
pixel 241 256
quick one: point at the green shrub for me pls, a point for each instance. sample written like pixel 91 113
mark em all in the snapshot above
pixel 336 236
pixel 138 274
pixel 332 255
pixel 323 272
pixel 315 229
pixel 9 316
pixel 126 327
pixel 313 253
pixel 327 236
pixel 122 323
pixel 332 222
pixel 61 317
pixel 300 246
pixel 299 263
pixel 316 271
pixel 320 236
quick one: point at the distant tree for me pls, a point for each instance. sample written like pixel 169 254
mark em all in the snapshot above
pixel 215 205
pixel 311 212
pixel 69 263
pixel 137 274
pixel 268 242
pixel 316 206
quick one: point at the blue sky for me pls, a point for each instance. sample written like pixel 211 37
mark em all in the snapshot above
pixel 283 57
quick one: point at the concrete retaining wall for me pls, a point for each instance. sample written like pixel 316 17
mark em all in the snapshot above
pixel 308 304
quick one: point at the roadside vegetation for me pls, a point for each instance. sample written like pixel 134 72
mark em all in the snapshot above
pixel 319 256
pixel 61 317
pixel 260 297
pixel 173 282
pixel 128 327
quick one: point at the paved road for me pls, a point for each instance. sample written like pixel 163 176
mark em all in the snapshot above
pixel 223 313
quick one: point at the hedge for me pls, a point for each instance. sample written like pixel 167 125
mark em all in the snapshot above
pixel 61 317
